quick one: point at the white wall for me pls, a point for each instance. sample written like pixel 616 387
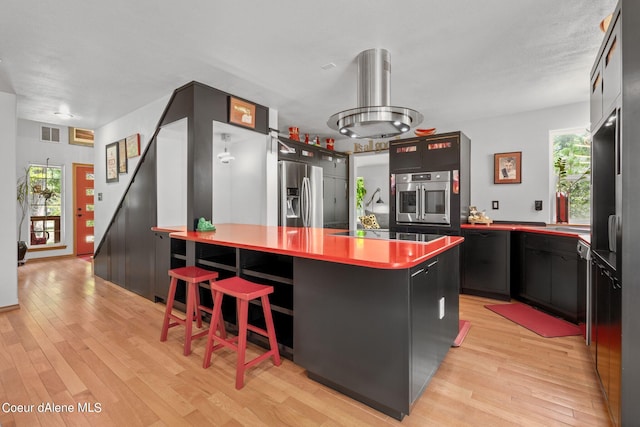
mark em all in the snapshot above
pixel 143 121
pixel 374 168
pixel 171 187
pixel 30 149
pixel 240 187
pixel 527 132
pixel 8 231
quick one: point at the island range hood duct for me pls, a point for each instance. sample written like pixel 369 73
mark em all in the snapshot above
pixel 374 117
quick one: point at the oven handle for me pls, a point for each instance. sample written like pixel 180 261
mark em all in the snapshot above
pixel 447 203
pixel 420 202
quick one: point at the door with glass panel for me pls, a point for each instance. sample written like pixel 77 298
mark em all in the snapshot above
pixel 83 208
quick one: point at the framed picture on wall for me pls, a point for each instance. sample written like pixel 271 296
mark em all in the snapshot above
pixel 242 113
pixel 133 145
pixel 112 162
pixel 507 168
pixel 122 156
pixel 79 136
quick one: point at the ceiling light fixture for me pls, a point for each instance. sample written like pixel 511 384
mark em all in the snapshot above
pixel 225 157
pixel 374 117
pixel 63 115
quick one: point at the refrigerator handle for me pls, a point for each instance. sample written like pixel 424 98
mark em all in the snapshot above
pixel 309 203
pixel 304 202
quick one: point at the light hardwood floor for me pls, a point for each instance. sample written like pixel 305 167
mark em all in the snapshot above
pixel 78 339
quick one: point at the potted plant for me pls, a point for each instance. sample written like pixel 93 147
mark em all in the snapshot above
pixel 564 186
pixel 360 193
pixel 22 190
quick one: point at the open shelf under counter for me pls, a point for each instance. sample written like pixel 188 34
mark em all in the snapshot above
pixel 217 256
pixel 269 266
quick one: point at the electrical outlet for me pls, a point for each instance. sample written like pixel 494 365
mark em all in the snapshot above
pixel 495 204
pixel 538 204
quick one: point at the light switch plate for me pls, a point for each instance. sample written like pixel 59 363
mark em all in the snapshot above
pixel 538 205
pixel 495 204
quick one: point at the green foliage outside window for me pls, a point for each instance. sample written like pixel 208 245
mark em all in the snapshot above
pixel 572 164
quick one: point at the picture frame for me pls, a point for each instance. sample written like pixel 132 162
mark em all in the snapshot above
pixel 111 151
pixel 242 113
pixel 133 145
pixel 122 156
pixel 507 168
pixel 79 136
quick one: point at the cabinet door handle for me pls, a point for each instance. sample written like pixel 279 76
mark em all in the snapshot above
pixel 432 264
pixel 417 272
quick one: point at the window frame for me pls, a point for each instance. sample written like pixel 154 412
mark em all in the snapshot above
pixel 37 209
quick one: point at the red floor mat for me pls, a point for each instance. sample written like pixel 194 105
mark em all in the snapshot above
pixel 541 323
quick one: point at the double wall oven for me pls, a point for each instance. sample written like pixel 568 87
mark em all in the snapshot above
pixel 423 198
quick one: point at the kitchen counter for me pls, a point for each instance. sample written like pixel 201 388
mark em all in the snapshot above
pixel 322 244
pixel 371 318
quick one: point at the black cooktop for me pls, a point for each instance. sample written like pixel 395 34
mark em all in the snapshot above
pixel 388 235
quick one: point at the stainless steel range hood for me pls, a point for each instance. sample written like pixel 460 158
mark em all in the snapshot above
pixel 374 117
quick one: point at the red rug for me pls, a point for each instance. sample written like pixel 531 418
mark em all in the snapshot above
pixel 536 321
pixel 464 328
pixel 88 258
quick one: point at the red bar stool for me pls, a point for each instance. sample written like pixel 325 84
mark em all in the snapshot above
pixel 244 291
pixel 193 276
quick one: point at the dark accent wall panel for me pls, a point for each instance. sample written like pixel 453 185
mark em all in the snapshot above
pixel 630 208
pixel 140 217
pixel 126 253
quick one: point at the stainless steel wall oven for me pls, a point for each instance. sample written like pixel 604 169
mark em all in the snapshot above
pixel 423 198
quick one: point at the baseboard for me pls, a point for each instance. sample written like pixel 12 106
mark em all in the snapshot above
pixel 9 308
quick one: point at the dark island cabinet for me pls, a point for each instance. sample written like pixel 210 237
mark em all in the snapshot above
pixel 486 263
pixel 162 265
pixel 549 275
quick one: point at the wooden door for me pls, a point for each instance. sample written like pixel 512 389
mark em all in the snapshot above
pixel 83 208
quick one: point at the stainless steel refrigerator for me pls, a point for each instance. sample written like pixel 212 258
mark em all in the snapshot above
pixel 300 195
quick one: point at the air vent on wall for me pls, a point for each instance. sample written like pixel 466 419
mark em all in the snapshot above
pixel 49 134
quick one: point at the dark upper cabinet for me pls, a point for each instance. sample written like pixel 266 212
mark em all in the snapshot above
pixel 611 65
pixel 606 76
pixel 332 163
pixel 428 153
pixel 486 263
pixel 406 156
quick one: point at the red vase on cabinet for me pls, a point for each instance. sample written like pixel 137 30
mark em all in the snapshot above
pixel 562 207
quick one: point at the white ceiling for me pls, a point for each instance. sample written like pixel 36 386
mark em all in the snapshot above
pixel 452 60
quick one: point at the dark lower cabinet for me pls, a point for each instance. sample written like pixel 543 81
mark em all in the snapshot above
pixel 162 265
pixel 549 275
pixel 607 331
pixel 486 263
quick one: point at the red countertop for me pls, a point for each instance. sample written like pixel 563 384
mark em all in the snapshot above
pixel 531 229
pixel 320 244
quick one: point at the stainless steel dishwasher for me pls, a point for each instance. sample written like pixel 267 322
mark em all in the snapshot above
pixel 584 278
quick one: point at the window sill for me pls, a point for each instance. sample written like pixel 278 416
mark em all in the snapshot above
pixel 46 248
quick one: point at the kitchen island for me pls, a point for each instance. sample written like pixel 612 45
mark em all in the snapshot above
pixel 374 317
